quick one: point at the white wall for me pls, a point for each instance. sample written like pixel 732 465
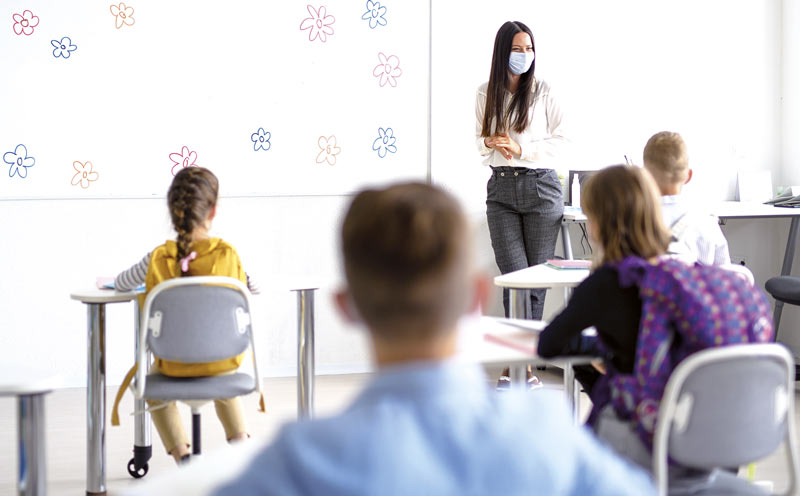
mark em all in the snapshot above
pixel 51 248
pixel 624 69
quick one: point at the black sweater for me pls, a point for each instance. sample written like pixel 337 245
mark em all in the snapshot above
pixel 601 302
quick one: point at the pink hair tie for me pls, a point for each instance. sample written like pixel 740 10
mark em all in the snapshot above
pixel 185 261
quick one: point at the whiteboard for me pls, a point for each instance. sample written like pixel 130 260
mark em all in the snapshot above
pixel 277 98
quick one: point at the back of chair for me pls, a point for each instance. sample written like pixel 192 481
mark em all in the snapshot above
pixel 198 319
pixel 726 407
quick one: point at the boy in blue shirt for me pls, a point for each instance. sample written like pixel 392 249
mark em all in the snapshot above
pixel 428 423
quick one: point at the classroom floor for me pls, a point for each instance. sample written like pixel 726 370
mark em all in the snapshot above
pixel 66 431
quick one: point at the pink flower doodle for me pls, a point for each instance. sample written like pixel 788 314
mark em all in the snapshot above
pixel 123 14
pixel 319 23
pixel 84 174
pixel 25 22
pixel 186 158
pixel 388 70
pixel 329 150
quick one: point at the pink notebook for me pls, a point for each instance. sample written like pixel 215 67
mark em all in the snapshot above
pixel 569 264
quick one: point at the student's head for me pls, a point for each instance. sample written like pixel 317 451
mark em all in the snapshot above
pixel 666 159
pixel 407 261
pixel 192 200
pixel 623 208
pixel 513 37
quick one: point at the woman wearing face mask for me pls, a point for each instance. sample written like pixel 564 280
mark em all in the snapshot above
pixel 519 132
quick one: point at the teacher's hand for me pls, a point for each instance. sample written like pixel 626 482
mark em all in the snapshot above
pixel 500 142
pixel 507 146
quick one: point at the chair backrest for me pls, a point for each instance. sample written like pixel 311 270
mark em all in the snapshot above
pixel 198 319
pixel 726 407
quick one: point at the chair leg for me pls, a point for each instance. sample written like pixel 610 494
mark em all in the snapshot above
pixel 195 432
pixel 776 317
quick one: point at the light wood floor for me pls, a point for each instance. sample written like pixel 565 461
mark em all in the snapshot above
pixel 66 432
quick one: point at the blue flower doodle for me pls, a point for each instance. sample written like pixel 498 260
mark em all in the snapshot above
pixel 260 139
pixel 374 14
pixel 385 142
pixel 63 48
pixel 19 161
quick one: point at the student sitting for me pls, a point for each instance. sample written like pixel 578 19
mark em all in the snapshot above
pixel 192 202
pixel 428 423
pixel 650 311
pixel 696 236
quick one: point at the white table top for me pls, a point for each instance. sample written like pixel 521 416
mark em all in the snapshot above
pixel 723 210
pixel 473 345
pixel 541 276
pixel 94 295
pixel 751 210
pixel 34 382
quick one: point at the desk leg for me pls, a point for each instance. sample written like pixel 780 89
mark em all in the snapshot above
pixel 142 446
pixel 566 241
pixel 518 301
pixel 786 269
pixel 305 353
pixel 32 461
pixel 573 393
pixel 96 401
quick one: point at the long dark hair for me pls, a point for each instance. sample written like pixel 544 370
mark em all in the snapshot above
pixel 498 85
pixel 191 197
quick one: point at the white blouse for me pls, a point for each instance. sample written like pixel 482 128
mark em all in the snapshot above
pixel 542 141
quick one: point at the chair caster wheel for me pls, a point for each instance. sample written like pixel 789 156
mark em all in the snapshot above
pixel 137 473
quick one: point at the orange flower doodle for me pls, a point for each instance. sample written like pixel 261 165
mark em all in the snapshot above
pixel 329 150
pixel 123 13
pixel 84 174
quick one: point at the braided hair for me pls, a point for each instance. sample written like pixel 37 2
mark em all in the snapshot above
pixel 191 197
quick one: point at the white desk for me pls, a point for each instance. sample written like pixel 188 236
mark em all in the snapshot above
pixel 541 277
pixel 96 300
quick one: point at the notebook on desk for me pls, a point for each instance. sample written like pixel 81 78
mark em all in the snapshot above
pixel 518 339
pixel 569 264
pixel 105 282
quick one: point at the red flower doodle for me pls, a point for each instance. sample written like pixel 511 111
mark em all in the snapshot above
pixel 25 22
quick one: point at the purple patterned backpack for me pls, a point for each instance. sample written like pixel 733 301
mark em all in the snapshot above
pixel 685 308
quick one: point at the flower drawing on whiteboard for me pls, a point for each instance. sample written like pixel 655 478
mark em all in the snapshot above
pixel 260 139
pixel 374 14
pixel 319 24
pixel 63 48
pixel 18 161
pixel 388 70
pixel 24 23
pixel 123 14
pixel 186 158
pixel 84 175
pixel 385 142
pixel 328 150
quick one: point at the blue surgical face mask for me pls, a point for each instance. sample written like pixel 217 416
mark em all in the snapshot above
pixel 520 62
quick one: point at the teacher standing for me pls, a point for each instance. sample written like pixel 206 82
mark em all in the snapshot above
pixel 519 131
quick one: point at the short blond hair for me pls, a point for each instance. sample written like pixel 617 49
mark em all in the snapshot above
pixel 666 159
pixel 406 259
pixel 624 207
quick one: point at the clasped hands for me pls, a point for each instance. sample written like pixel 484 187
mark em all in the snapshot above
pixel 503 144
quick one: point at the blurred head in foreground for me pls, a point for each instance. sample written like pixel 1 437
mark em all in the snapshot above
pixel 409 270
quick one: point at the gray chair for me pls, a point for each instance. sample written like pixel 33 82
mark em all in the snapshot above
pixel 726 407
pixel 196 320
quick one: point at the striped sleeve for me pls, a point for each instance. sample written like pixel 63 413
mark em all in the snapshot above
pixel 134 277
pixel 252 284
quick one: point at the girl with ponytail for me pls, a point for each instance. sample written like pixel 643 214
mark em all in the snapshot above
pixel 192 203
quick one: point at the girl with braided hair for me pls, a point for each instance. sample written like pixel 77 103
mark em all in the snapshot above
pixel 192 203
